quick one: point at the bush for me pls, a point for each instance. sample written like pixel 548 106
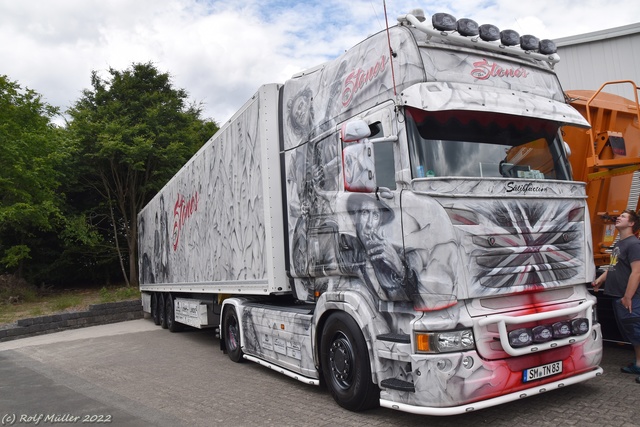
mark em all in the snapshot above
pixel 14 290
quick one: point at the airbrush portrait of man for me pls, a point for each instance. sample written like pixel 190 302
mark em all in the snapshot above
pixel 371 256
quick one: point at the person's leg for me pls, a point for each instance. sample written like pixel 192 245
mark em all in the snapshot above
pixel 629 325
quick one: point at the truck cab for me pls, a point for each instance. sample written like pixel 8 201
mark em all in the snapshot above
pixel 434 202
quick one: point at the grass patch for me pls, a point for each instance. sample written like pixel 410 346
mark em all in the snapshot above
pixel 119 294
pixel 34 312
pixel 63 302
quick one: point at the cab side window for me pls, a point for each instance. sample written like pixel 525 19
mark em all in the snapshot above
pixel 384 160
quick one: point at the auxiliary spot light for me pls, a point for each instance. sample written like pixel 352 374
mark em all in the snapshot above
pixel 529 42
pixel 561 329
pixel 489 32
pixel 547 47
pixel 580 326
pixel 443 22
pixel 509 37
pixel 467 27
pixel 520 337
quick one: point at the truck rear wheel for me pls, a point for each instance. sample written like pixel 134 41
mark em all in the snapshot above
pixel 155 309
pixel 231 327
pixel 170 314
pixel 345 364
pixel 162 310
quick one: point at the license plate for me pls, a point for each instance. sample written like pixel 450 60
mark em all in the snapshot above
pixel 541 371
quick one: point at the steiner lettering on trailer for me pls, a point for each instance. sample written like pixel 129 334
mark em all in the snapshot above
pixel 182 211
pixel 524 188
pixel 357 79
pixel 484 70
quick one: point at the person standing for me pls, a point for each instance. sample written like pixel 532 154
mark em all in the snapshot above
pixel 621 281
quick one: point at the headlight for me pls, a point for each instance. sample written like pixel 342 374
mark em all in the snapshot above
pixel 444 342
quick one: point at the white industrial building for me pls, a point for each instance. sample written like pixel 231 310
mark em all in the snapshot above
pixel 589 60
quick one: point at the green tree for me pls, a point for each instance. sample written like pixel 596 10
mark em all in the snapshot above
pixel 32 149
pixel 134 131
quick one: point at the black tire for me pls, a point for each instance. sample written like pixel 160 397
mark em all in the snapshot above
pixel 170 315
pixel 162 310
pixel 155 312
pixel 231 327
pixel 345 364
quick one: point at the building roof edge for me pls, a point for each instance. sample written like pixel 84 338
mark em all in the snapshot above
pixel 598 35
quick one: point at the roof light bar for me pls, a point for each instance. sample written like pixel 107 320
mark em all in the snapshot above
pixel 467 32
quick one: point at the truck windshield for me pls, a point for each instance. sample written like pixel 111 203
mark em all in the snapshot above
pixel 479 144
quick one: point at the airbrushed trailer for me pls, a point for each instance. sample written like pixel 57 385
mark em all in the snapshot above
pixel 399 223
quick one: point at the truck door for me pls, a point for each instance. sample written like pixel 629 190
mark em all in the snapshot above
pixel 370 248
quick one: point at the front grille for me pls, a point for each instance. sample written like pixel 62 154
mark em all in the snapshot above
pixel 526 244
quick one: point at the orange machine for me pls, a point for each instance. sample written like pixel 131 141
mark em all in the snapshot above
pixel 607 158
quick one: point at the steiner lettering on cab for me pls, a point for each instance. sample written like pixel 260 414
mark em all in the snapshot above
pixel 484 70
pixel 360 78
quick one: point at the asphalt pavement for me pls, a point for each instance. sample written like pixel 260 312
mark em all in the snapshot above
pixel 137 374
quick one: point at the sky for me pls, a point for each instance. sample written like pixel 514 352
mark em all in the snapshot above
pixel 221 52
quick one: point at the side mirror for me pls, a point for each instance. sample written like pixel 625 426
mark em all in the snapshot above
pixel 359 167
pixel 354 130
pixel 567 149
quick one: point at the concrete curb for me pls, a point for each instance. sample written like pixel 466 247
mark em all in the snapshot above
pixel 98 314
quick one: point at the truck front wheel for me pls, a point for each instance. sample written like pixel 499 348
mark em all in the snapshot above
pixel 345 364
pixel 231 328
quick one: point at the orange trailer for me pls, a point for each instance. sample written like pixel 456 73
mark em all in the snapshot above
pixel 607 158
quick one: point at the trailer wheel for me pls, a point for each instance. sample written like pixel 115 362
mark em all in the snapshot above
pixel 155 309
pixel 231 328
pixel 170 315
pixel 345 364
pixel 162 310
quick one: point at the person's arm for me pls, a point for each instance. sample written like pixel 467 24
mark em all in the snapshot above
pixel 632 285
pixel 599 281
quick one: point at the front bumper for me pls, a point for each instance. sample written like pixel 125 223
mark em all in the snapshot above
pixel 454 410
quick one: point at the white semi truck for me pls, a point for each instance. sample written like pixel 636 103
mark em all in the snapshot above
pixel 400 223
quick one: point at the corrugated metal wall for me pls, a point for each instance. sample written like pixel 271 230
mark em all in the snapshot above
pixel 589 60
